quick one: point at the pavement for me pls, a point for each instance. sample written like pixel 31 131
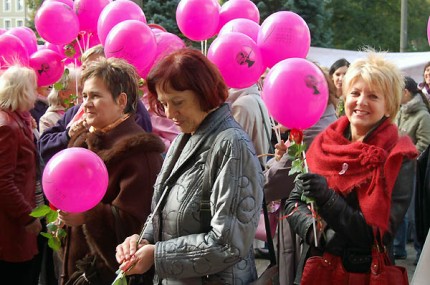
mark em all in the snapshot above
pixel 409 261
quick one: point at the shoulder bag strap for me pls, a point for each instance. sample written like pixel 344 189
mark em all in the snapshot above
pixel 272 255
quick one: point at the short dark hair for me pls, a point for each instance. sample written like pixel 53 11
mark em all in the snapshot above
pixel 338 64
pixel 119 77
pixel 187 69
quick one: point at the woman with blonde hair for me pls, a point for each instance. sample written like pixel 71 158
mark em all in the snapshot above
pixel 18 241
pixel 362 172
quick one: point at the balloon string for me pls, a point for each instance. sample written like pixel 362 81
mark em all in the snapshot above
pixel 75 64
pixel 202 48
pixel 79 45
pixel 276 129
pixel 314 213
pixel 206 47
pixel 88 41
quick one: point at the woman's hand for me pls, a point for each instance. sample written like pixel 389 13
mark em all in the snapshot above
pixel 130 253
pixel 72 219
pixel 77 126
pixel 280 149
pixel 140 262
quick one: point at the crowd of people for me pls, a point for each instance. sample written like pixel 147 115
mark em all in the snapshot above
pixel 190 162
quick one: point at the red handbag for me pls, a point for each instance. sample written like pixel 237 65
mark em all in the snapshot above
pixel 328 269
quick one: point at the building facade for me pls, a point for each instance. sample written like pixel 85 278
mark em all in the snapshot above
pixel 13 13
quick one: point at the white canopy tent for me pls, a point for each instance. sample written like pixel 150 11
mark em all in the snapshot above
pixel 411 63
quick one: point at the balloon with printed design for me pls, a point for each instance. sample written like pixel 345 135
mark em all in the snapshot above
pixel 295 92
pixel 238 59
pixel 48 65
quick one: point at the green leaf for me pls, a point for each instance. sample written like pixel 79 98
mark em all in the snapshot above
pixel 54 243
pixel 61 233
pixel 47 235
pixel 120 279
pixel 40 211
pixel 58 86
pixel 51 216
pixel 51 227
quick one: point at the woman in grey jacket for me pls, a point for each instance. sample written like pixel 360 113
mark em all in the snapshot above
pixel 212 162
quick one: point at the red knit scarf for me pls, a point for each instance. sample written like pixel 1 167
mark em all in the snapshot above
pixel 370 167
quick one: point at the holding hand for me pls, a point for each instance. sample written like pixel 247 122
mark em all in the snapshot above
pixel 71 219
pixel 77 126
pixel 135 258
pixel 280 149
pixel 314 186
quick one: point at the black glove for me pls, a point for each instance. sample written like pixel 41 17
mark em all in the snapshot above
pixel 314 186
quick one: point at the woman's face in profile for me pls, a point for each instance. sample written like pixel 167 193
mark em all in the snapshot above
pixel 183 108
pixel 100 108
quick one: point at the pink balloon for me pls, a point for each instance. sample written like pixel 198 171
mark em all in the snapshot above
pixel 244 26
pixel 166 44
pixel 88 12
pixel 295 92
pixel 48 65
pixel 12 51
pixel 238 59
pixel 133 41
pixel 75 180
pixel 235 9
pixel 53 47
pixel 116 12
pixel 198 19
pixel 56 23
pixel 27 36
pixel 156 28
pixel 2 31
pixel 428 30
pixel 283 35
pixel 67 2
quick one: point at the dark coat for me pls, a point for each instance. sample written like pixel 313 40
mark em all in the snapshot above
pixel 17 188
pixel 133 159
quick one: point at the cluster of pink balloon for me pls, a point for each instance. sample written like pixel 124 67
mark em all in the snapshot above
pixel 75 180
pixel 295 90
pixel 19 46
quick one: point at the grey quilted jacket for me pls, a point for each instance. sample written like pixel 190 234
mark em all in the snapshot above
pixel 185 252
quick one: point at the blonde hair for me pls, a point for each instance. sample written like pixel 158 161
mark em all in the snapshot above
pixel 54 98
pixel 18 88
pixel 383 75
pixel 95 50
